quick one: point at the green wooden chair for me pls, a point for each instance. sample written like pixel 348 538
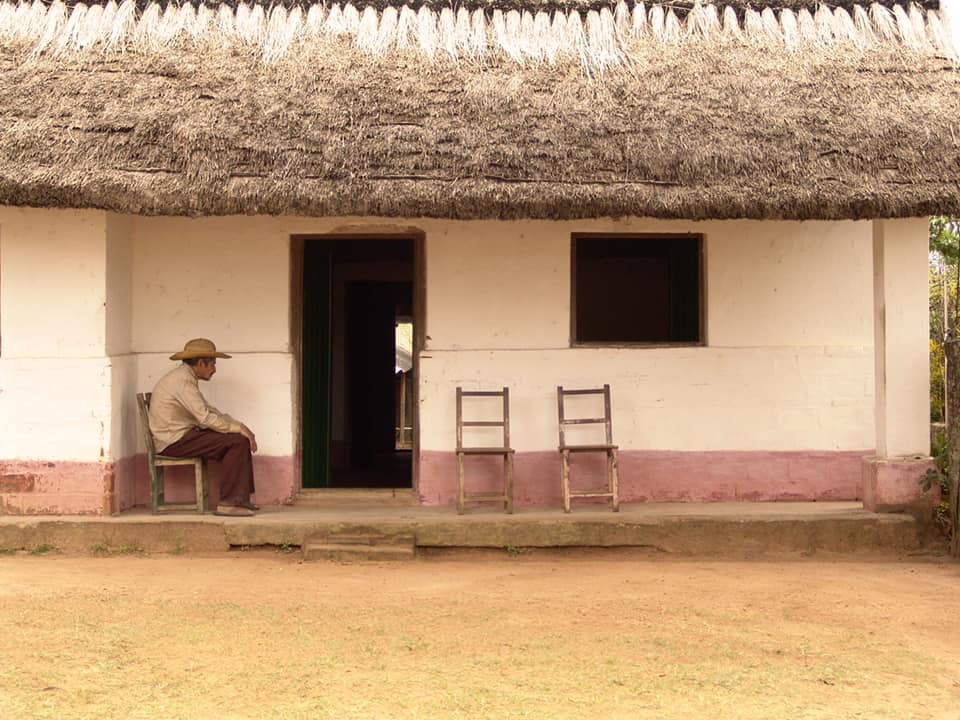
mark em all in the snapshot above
pixel 157 463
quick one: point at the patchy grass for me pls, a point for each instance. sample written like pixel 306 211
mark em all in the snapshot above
pixel 44 549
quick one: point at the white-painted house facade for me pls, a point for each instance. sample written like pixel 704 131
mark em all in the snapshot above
pixel 763 329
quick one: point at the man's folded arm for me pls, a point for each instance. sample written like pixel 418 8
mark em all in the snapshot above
pixel 207 416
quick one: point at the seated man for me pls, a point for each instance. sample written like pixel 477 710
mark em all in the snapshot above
pixel 183 424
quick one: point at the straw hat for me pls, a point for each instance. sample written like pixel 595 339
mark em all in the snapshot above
pixel 198 348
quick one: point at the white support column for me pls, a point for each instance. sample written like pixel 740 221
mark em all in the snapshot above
pixel 901 337
pixel 55 377
pixel 901 351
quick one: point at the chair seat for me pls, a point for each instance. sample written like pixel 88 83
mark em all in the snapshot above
pixel 588 448
pixel 170 460
pixel 485 451
pixel 485 495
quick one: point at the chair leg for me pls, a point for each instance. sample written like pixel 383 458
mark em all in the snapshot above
pixel 156 489
pixel 565 478
pixel 460 490
pixel 153 489
pixel 614 481
pixel 200 479
pixel 206 486
pixel 508 482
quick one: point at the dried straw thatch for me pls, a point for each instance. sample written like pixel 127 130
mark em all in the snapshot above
pixel 599 38
pixel 442 111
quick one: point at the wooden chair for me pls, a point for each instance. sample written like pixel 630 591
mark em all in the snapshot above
pixel 506 495
pixel 157 463
pixel 608 448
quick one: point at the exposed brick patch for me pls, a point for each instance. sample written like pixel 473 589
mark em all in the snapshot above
pixel 10 504
pixel 17 482
pixel 44 487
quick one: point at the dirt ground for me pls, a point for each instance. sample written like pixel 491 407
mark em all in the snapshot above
pixel 491 635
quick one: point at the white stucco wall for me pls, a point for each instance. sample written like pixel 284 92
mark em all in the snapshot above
pixel 55 409
pixel 226 279
pixel 119 328
pixel 222 278
pixel 788 363
pixel 54 377
pixel 119 285
pixel 789 324
pixel 52 287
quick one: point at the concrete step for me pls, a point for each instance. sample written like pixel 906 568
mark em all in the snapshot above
pixel 360 546
pixel 715 529
pixel 356 497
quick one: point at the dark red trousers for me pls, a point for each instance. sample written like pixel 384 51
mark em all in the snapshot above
pixel 232 450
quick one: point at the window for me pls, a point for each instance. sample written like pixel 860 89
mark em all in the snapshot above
pixel 637 289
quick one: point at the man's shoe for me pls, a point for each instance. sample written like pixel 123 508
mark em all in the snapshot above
pixel 233 511
pixel 248 505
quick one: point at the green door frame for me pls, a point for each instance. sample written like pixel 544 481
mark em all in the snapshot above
pixel 313 466
pixel 316 363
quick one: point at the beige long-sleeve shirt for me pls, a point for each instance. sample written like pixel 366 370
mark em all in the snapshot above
pixel 177 406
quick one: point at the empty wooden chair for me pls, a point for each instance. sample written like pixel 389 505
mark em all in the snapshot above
pixel 607 448
pixel 157 463
pixel 506 495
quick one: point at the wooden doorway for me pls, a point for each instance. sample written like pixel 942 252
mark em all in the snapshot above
pixel 356 330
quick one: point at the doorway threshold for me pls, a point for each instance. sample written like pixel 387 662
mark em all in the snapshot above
pixel 372 497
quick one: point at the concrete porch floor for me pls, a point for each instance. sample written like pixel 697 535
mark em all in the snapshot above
pixel 681 528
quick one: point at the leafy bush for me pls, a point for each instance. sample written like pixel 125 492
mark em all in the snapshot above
pixel 940 476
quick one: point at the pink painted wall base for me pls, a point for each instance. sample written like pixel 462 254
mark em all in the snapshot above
pixel 273 475
pixel 657 476
pixel 38 487
pixel 75 488
pixel 890 484
pixel 893 484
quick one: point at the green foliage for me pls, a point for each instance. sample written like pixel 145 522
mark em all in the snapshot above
pixel 940 476
pixel 944 238
pixel 43 549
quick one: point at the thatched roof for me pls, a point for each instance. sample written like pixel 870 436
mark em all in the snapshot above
pixel 699 112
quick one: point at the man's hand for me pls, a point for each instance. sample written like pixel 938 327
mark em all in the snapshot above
pixel 248 434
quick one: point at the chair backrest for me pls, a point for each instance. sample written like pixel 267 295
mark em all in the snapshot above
pixel 504 422
pixel 565 421
pixel 143 408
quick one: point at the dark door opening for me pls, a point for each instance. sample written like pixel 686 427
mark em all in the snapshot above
pixel 356 363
